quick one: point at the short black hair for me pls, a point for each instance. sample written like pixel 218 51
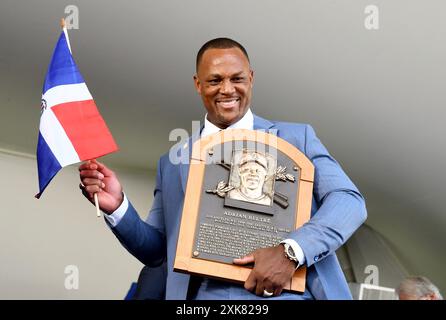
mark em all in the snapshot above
pixel 219 43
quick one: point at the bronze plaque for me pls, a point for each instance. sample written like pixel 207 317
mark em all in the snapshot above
pixel 246 190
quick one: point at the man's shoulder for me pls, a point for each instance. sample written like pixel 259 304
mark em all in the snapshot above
pixel 294 128
pixel 285 125
pixel 294 132
pixel 290 125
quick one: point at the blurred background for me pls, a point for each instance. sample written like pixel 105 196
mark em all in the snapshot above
pixel 375 97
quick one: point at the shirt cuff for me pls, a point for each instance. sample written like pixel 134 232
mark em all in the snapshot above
pixel 117 215
pixel 297 250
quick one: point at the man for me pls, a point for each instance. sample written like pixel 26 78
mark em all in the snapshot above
pixel 418 288
pixel 252 172
pixel 224 80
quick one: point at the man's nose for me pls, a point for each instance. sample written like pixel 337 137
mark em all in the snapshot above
pixel 227 87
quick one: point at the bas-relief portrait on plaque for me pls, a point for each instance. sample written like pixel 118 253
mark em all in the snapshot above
pixel 252 177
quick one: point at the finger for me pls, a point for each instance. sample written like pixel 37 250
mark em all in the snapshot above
pixel 250 283
pixel 103 169
pixel 88 165
pixel 93 189
pixel 268 286
pixel 87 195
pixel 259 288
pixel 278 291
pixel 91 182
pixel 91 174
pixel 245 260
pixel 84 166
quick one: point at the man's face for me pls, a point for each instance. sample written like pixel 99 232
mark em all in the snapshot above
pixel 224 81
pixel 252 175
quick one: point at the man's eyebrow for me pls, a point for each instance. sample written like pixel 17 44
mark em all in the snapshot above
pixel 238 74
pixel 215 75
pixel 218 76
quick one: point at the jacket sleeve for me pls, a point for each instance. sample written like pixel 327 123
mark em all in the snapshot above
pixel 340 208
pixel 145 240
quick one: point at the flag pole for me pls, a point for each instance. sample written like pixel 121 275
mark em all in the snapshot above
pixel 63 26
pixel 64 29
pixel 96 203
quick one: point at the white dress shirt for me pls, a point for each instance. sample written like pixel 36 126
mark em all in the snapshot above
pixel 247 122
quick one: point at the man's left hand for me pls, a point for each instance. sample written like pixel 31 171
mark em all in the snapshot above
pixel 272 270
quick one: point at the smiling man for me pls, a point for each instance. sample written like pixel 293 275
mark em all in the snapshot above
pixel 224 80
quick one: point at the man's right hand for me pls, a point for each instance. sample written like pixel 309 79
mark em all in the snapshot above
pixel 97 178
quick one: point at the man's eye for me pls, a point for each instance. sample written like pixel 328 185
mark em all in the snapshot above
pixel 213 81
pixel 238 79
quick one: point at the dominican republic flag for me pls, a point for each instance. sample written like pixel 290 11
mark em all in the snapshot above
pixel 71 128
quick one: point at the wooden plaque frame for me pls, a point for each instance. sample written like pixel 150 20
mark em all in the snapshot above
pixel 184 261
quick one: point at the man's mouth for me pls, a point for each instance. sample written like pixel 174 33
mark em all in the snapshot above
pixel 228 103
pixel 252 179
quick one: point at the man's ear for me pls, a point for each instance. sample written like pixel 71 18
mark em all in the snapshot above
pixel 251 76
pixel 197 84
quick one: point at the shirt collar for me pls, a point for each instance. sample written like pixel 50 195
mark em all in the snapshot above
pixel 247 122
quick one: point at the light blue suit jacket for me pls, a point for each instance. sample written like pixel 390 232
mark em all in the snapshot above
pixel 338 209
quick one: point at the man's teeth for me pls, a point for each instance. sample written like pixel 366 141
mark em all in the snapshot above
pixel 228 103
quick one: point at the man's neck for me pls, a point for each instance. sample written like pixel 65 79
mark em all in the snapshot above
pixel 246 122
